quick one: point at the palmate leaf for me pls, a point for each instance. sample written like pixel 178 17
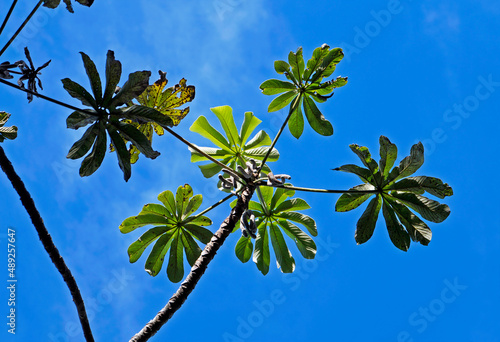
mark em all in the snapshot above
pixel 165 101
pixel 396 194
pixel 233 147
pixel 175 232
pixel 306 86
pixel 131 125
pixel 69 6
pixel 277 214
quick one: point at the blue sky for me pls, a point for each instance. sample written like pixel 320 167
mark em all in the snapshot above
pixel 418 71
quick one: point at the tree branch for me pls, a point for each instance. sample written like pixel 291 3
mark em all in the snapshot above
pixel 198 268
pixel 47 242
pixel 37 6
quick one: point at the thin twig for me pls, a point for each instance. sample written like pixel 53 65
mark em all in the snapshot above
pixel 197 270
pixel 47 98
pixel 326 191
pixel 279 132
pixel 21 27
pixel 213 206
pixel 47 242
pixel 8 16
pixel 197 149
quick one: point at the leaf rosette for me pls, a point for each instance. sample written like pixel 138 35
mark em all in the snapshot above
pixel 277 216
pixel 235 148
pixel 175 229
pixel 395 193
pixel 304 87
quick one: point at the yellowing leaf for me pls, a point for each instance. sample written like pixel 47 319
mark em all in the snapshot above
pixel 167 100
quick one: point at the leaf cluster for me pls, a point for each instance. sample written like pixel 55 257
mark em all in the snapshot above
pixel 233 147
pixel 69 6
pixel 112 113
pixel 176 229
pixel 395 193
pixel 27 71
pixel 277 213
pixel 304 87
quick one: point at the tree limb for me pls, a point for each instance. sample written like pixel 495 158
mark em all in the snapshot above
pixel 47 242
pixel 198 269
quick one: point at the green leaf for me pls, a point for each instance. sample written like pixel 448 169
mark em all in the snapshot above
pixel 304 243
pixel 388 155
pixel 135 112
pixel 429 209
pixel 419 184
pixel 244 248
pixel 314 63
pixel 82 146
pixel 283 256
pixel 292 204
pixel 259 153
pixel 122 153
pixel 94 159
pixel 364 174
pixel 408 165
pixel 305 220
pixel 328 64
pixel 192 249
pixel 157 209
pixel 193 205
pixel 315 118
pixel 296 61
pixel 135 222
pixel 367 221
pixel 282 101
pixel 349 201
pixel 211 151
pixel 364 155
pixel 202 234
pixel 168 200
pixel 138 247
pixel 417 229
pixel 249 124
pixel 78 119
pixel 94 78
pixel 136 84
pixel 175 268
pixel 78 92
pixel 274 86
pixel 155 259
pixel 296 121
pixel 6 132
pixel 398 235
pixel 225 116
pixel 281 67
pixel 203 127
pixel 113 75
pixel 261 254
pixel 182 196
pixel 280 195
pixel 136 137
pixel 259 139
